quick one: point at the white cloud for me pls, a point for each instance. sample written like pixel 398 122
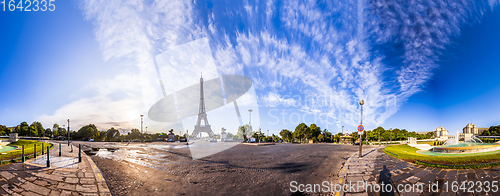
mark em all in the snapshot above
pixel 328 51
pixel 136 30
pixel 273 99
pixel 324 50
pixel 130 32
pixel 116 104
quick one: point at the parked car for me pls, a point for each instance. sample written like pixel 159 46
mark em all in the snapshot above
pixel 136 140
pixel 170 140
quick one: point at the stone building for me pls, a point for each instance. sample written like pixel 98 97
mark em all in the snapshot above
pixel 472 129
pixel 440 131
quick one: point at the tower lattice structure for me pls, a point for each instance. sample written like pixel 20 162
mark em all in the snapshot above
pixel 202 115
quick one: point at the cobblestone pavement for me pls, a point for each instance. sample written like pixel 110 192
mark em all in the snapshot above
pixel 57 161
pixel 376 167
pixel 66 176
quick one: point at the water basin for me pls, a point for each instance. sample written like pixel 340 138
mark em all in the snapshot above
pixel 7 148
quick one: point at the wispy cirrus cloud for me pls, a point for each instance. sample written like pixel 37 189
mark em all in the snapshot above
pixel 137 30
pixel 335 49
pixel 129 32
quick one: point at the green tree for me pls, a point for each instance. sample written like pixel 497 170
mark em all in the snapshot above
pixel 276 138
pixel 336 138
pixel 486 132
pixel 112 134
pixel 135 134
pixel 321 137
pixel 244 132
pixel 314 131
pixel 38 129
pixel 35 129
pixel 429 135
pixel 88 132
pixel 327 135
pixel 379 132
pixel 4 130
pixel 286 135
pixel 48 132
pixel 229 135
pixel 102 136
pixel 55 130
pixel 355 136
pixel 61 131
pixel 494 130
pixel 301 131
pixel 23 129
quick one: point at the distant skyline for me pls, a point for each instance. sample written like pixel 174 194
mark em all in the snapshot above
pixel 416 66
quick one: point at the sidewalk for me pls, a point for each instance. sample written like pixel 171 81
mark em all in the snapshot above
pixel 376 167
pixel 66 176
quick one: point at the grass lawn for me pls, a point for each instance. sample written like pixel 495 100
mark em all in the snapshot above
pixel 410 154
pixel 427 142
pixel 29 147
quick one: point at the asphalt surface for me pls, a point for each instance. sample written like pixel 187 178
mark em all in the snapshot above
pixel 164 169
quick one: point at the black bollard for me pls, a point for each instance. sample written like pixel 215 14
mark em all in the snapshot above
pixel 42 149
pixel 79 153
pixel 59 149
pixel 23 159
pixel 48 157
pixel 35 150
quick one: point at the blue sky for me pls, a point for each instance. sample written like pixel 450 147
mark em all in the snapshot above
pixel 417 66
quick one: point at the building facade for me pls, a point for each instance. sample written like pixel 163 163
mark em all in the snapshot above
pixel 472 129
pixel 440 131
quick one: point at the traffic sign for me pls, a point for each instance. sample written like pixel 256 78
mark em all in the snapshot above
pixel 361 128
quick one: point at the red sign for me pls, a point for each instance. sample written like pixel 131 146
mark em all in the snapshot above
pixel 361 128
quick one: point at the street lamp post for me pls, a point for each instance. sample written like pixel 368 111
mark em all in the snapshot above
pixel 68 131
pixel 141 122
pixel 141 127
pixel 361 123
pixel 250 117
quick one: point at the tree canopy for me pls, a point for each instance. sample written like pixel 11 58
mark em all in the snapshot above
pixel 112 134
pixel 88 132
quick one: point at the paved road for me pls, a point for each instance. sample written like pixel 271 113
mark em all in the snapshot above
pixel 241 170
pixel 66 176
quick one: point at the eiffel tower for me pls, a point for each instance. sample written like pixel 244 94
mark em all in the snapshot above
pixel 202 115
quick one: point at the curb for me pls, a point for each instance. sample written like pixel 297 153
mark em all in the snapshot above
pixel 258 144
pixel 343 174
pixel 101 182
